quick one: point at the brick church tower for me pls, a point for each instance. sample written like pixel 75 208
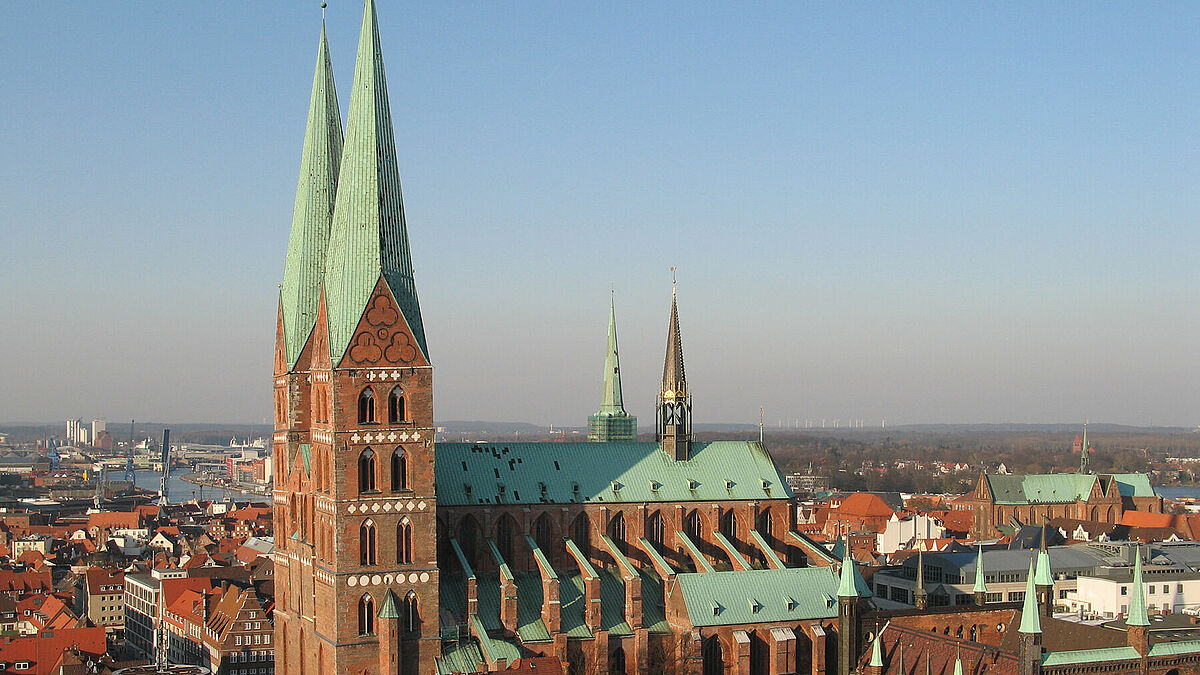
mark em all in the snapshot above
pixel 355 524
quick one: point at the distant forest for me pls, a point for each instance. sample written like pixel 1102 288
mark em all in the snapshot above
pixel 850 457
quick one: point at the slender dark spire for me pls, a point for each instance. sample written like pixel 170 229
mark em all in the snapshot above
pixel 1085 461
pixel 369 237
pixel 313 211
pixel 920 595
pixel 674 379
pixel 674 424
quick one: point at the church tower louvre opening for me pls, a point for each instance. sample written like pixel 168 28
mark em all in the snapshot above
pixel 356 558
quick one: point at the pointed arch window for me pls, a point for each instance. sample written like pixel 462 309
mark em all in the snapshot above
pixel 506 531
pixel 581 534
pixel 616 530
pixel 468 538
pixel 693 526
pixel 541 533
pixel 366 615
pixel 404 554
pixel 366 406
pixel 366 543
pixel 657 528
pixel 764 525
pixel 729 526
pixel 399 470
pixel 366 471
pixel 412 620
pixel 396 411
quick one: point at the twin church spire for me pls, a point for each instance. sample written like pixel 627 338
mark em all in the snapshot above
pixel 348 225
pixel 312 215
pixel 673 421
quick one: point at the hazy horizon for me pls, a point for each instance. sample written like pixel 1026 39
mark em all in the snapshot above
pixel 923 214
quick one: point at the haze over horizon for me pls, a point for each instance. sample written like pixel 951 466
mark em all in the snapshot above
pixel 924 214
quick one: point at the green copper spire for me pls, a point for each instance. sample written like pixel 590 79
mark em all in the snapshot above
pixel 1084 458
pixel 610 401
pixel 1043 576
pixel 958 663
pixel 1137 616
pixel 877 651
pixel 980 586
pixel 851 583
pixel 611 422
pixel 369 236
pixel 390 608
pixel 313 211
pixel 1030 621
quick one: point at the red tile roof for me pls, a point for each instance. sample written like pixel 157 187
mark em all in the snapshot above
pixel 862 504
pixel 45 650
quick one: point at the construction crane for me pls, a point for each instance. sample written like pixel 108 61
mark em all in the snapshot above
pixel 166 469
pixel 129 474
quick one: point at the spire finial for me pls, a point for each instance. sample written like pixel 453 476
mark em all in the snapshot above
pixel 323 6
pixel 673 281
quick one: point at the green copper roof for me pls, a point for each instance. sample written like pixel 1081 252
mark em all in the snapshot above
pixel 313 211
pixel 876 651
pixel 369 236
pixel 1061 488
pixel 306 453
pixel 674 378
pixel 1137 598
pixel 852 585
pixel 1030 621
pixel 565 473
pixel 1043 576
pixel 1174 648
pixel 1090 656
pixel 980 586
pixel 390 608
pixel 610 401
pixel 758 596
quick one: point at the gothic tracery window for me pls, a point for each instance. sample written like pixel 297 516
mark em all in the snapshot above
pixel 396 411
pixel 366 406
pixel 404 542
pixel 399 470
pixel 366 615
pixel 366 543
pixel 366 471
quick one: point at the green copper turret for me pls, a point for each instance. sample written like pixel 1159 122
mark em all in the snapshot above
pixel 1137 614
pixel 611 422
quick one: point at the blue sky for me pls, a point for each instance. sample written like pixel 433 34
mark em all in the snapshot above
pixel 919 212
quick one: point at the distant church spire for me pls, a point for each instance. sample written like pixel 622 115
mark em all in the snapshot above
pixel 312 214
pixel 611 422
pixel 674 424
pixel 1084 452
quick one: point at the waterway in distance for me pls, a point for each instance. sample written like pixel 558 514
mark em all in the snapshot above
pixel 179 490
pixel 1178 491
